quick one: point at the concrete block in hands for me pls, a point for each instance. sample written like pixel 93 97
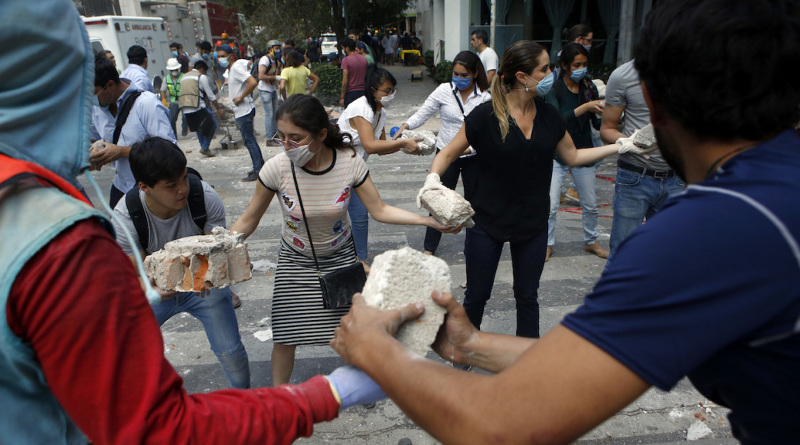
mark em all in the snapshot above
pixel 428 143
pixel 201 262
pixel 448 207
pixel 401 277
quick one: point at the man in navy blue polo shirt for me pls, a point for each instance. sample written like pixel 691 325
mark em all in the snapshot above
pixel 709 288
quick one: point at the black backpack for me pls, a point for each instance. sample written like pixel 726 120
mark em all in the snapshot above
pixel 254 69
pixel 196 201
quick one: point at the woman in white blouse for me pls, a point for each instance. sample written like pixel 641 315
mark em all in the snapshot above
pixel 453 100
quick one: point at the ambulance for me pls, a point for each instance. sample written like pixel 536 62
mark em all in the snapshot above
pixel 117 34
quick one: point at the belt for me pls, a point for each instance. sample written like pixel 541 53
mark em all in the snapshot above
pixel 662 174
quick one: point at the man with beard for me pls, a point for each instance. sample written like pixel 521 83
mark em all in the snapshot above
pixel 706 289
pixel 644 182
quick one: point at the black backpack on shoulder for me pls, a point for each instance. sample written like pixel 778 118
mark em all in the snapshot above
pixel 196 201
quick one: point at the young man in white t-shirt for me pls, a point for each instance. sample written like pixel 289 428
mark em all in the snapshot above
pixel 269 74
pixel 488 57
pixel 240 85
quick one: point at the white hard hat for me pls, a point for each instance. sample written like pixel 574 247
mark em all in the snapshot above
pixel 173 64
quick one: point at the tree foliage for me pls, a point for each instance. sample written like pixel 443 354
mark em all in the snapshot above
pixel 374 13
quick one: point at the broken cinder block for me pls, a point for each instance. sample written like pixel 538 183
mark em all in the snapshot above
pixel 401 277
pixel 448 207
pixel 428 143
pixel 202 262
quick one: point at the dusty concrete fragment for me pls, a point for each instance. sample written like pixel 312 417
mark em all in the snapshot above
pixel 697 431
pixel 98 145
pixel 601 87
pixel 400 277
pixel 428 144
pixel 200 262
pixel 645 137
pixel 448 207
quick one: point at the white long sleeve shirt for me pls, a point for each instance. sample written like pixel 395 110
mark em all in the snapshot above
pixel 443 100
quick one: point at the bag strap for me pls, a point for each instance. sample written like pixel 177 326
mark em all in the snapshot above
pixel 459 102
pixel 122 116
pixel 138 218
pixel 305 219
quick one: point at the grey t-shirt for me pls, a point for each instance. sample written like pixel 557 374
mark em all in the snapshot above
pixel 163 231
pixel 625 90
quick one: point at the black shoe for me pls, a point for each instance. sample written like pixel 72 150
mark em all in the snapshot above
pixel 208 153
pixel 185 132
pixel 252 176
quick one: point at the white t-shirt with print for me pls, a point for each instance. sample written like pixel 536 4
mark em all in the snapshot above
pixel 325 194
pixel 360 107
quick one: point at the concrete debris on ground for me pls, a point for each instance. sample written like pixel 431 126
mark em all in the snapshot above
pixel 400 277
pixel 201 262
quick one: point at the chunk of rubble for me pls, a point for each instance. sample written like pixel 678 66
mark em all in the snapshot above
pixel 645 137
pixel 601 87
pixel 697 431
pixel 428 143
pixel 401 277
pixel 448 207
pixel 202 262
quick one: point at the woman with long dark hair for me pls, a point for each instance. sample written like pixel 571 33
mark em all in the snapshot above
pixel 515 137
pixel 453 101
pixel 365 121
pixel 328 175
pixel 576 98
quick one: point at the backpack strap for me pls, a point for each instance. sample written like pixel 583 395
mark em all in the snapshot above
pixel 122 116
pixel 139 219
pixel 197 199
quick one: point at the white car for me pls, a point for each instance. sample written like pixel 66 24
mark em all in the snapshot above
pixel 328 46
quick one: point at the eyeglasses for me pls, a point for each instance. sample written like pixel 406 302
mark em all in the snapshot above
pixel 292 144
pixel 388 92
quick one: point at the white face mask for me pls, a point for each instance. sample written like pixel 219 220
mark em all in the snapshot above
pixel 386 100
pixel 300 155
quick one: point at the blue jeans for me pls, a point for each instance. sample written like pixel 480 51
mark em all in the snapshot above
pixel 245 124
pixel 216 313
pixel 174 111
pixel 270 101
pixel 636 197
pixel 204 141
pixel 586 185
pixel 359 220
pixel 482 253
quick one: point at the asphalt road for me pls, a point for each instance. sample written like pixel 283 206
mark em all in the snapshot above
pixel 657 417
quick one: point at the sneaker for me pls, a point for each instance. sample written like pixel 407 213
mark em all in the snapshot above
pixel 208 153
pixel 572 195
pixel 252 176
pixel 596 249
pixel 550 252
pixel 184 132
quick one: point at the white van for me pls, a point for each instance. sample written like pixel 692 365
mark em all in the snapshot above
pixel 328 46
pixel 117 34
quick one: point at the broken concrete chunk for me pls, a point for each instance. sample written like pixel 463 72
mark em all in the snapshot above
pixel 428 144
pixel 401 277
pixel 601 88
pixel 98 145
pixel 644 137
pixel 201 262
pixel 448 207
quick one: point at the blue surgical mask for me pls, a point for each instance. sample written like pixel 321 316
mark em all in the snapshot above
pixel 174 54
pixel 578 74
pixel 205 56
pixel 461 82
pixel 587 47
pixel 544 85
pixel 224 62
pixel 278 54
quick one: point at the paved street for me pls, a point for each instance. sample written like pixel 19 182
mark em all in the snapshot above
pixel 657 417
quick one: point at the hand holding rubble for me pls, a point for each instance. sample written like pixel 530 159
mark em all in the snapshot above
pixel 457 333
pixel 434 224
pixel 641 142
pixel 432 182
pixel 103 153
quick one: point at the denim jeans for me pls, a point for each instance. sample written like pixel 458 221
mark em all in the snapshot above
pixel 205 142
pixel 359 220
pixel 174 111
pixel 215 312
pixel 245 124
pixel 449 179
pixel 270 101
pixel 586 185
pixel 482 253
pixel 637 196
